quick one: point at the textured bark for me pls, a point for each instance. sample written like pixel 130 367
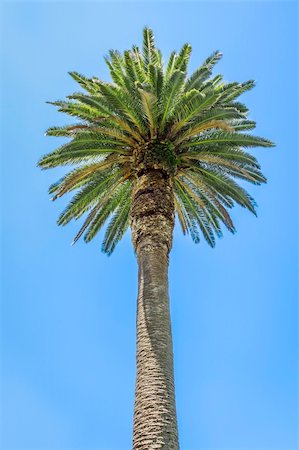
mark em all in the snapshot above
pixel 152 220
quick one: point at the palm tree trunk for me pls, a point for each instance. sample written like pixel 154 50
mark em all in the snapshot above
pixel 152 221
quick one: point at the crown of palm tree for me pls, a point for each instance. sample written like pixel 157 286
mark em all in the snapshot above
pixel 153 116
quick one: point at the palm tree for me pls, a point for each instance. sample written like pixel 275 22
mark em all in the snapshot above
pixel 153 143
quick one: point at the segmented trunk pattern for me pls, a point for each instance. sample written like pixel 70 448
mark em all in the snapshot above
pixel 152 221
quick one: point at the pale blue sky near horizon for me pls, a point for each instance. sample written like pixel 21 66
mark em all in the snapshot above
pixel 68 313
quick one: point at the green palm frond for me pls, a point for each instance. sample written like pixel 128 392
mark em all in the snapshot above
pixel 170 95
pixel 228 138
pixel 103 212
pixel 103 209
pixel 91 194
pixel 150 54
pixel 149 103
pixel 88 84
pixel 156 80
pixel 117 226
pixel 191 108
pixel 200 75
pixel 171 64
pixel 194 125
pixel 181 62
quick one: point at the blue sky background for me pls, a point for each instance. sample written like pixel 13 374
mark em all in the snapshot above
pixel 68 313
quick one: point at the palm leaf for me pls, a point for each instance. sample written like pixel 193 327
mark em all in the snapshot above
pixel 222 137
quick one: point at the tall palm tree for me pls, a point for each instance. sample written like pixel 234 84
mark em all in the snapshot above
pixel 153 143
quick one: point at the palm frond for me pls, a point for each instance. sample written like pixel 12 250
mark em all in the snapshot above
pixel 181 62
pixel 101 211
pixel 150 55
pixel 169 96
pixel 87 83
pixel 223 137
pixel 149 103
pixel 203 72
pixel 117 227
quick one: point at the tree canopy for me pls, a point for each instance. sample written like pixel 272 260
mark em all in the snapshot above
pixel 154 115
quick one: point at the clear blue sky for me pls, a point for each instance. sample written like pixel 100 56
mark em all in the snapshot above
pixel 68 313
